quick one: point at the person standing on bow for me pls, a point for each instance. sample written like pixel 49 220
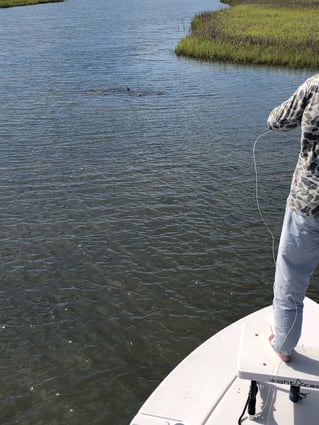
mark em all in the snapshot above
pixel 298 252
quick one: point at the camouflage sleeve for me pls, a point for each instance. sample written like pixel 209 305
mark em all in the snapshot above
pixel 288 115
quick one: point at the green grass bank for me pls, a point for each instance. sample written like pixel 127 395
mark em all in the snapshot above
pixel 12 3
pixel 280 32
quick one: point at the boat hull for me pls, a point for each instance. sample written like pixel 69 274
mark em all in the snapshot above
pixel 205 388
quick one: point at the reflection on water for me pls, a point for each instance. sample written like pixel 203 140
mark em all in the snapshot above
pixel 129 229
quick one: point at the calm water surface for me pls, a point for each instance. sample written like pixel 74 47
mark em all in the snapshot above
pixel 129 229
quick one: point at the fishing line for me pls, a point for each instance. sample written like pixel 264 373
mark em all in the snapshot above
pixel 273 255
pixel 265 223
pixel 257 197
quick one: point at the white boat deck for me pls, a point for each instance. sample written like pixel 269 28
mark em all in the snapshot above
pixel 256 360
pixel 207 387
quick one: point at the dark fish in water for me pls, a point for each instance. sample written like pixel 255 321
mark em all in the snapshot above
pixel 122 91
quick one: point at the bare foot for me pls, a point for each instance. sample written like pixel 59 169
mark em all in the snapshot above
pixel 282 357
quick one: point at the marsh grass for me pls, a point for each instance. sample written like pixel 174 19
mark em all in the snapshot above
pixel 11 3
pixel 279 3
pixel 256 33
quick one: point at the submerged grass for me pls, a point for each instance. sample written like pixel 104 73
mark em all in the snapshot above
pixel 11 3
pixel 257 33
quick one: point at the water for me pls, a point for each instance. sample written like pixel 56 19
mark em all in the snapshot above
pixel 129 229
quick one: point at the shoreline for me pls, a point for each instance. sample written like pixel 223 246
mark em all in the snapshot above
pixel 256 33
pixel 14 3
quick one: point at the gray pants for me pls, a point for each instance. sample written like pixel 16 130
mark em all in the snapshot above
pixel 298 256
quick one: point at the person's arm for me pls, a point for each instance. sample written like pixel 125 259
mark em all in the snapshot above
pixel 289 114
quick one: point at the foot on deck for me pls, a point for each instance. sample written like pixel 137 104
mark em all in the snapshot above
pixel 283 357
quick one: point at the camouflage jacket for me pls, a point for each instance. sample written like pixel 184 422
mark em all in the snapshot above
pixel 302 109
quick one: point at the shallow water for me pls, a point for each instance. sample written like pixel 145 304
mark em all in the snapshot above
pixel 129 228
